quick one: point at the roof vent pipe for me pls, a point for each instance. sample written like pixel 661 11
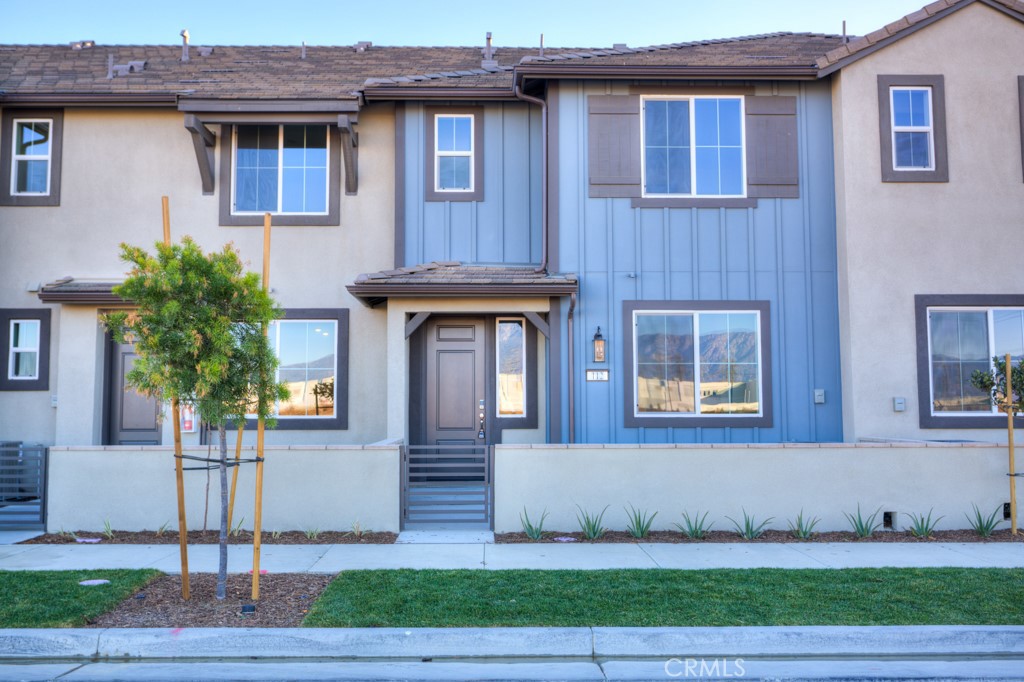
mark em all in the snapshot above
pixel 110 67
pixel 541 44
pixel 621 47
pixel 845 39
pixel 303 55
pixel 184 45
pixel 489 62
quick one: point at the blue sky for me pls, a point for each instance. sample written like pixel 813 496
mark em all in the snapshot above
pixel 564 23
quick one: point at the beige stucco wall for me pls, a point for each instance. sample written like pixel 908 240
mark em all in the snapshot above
pixel 769 480
pixel 304 487
pixel 901 239
pixel 116 166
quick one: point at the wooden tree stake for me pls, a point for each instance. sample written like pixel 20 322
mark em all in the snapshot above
pixel 234 474
pixel 179 471
pixel 258 515
pixel 1009 430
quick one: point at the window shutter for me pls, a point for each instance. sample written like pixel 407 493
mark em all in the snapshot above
pixel 773 167
pixel 614 145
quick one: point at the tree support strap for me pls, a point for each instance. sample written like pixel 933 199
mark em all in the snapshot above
pixel 215 463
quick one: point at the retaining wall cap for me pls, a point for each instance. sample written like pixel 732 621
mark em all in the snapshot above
pixel 47 643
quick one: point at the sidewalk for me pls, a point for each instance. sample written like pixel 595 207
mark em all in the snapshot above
pixel 335 558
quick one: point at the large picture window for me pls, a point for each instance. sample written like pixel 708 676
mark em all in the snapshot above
pixel 281 169
pixel 957 336
pixel 697 363
pixel 693 147
pixel 312 351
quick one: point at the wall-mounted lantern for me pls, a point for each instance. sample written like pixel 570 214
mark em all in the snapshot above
pixel 598 346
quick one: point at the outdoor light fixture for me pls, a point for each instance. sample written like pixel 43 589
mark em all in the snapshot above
pixel 598 346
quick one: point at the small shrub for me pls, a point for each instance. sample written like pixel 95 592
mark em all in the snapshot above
pixel 801 528
pixel 696 527
pixel 591 525
pixel 922 526
pixel 750 529
pixel 275 534
pixel 639 524
pixel 534 531
pixel 69 534
pixel 312 533
pixel 163 529
pixel 108 532
pixel 237 529
pixel 863 527
pixel 985 525
pixel 357 530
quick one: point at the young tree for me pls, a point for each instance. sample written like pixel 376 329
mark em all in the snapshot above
pixel 198 332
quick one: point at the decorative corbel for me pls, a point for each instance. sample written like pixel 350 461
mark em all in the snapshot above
pixel 204 141
pixel 350 150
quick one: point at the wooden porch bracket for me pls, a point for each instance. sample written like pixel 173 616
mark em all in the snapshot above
pixel 204 141
pixel 538 322
pixel 350 150
pixel 412 325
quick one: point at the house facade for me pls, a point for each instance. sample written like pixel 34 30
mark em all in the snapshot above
pixel 725 272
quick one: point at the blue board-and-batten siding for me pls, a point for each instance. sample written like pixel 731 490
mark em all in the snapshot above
pixel 503 228
pixel 782 251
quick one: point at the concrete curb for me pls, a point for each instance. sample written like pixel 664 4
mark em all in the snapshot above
pixel 512 643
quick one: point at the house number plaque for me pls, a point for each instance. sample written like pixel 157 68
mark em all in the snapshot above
pixel 597 375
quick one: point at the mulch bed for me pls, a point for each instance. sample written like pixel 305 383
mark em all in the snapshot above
pixel 211 537
pixel 675 537
pixel 284 600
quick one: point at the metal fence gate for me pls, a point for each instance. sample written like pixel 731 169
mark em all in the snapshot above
pixel 447 484
pixel 22 486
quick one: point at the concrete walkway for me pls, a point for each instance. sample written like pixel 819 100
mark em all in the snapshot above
pixel 335 558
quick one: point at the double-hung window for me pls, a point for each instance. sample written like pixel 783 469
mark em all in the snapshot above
pixel 453 153
pixel 281 169
pixel 693 147
pixel 912 131
pixel 30 157
pixel 692 364
pixel 25 340
pixel 912 128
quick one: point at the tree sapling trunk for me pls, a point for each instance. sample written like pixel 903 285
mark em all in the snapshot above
pixel 222 569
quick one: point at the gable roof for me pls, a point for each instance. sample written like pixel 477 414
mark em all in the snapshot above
pixel 858 48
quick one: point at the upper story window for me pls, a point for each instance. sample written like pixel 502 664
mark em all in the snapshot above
pixel 454 154
pixel 281 169
pixel 31 158
pixel 25 339
pixel 958 335
pixel 912 134
pixel 698 363
pixel 693 147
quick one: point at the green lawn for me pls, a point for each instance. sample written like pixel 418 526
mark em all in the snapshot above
pixel 54 599
pixel 473 598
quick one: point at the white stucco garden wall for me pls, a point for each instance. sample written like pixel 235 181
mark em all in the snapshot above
pixel 767 480
pixel 900 239
pixel 304 488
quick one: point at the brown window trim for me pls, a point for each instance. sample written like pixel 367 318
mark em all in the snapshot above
pixel 6 151
pixel 331 219
pixel 632 421
pixel 340 419
pixel 431 194
pixel 924 375
pixel 937 85
pixel 43 316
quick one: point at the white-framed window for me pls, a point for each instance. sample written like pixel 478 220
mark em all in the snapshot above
pixel 913 139
pixel 23 351
pixel 308 364
pixel 511 366
pixel 31 157
pixel 283 169
pixel 693 147
pixel 697 363
pixel 453 153
pixel 961 341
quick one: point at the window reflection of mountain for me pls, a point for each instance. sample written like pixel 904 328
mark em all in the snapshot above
pixel 313 393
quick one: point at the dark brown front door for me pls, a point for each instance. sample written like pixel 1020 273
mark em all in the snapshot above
pixel 132 418
pixel 455 382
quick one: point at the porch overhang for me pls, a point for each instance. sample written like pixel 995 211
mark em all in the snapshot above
pixel 81 291
pixel 452 279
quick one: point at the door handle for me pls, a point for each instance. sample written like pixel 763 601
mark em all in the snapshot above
pixel 481 434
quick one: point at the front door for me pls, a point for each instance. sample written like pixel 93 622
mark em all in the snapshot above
pixel 456 403
pixel 132 418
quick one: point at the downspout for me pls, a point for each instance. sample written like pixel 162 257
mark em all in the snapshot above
pixel 572 373
pixel 543 176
